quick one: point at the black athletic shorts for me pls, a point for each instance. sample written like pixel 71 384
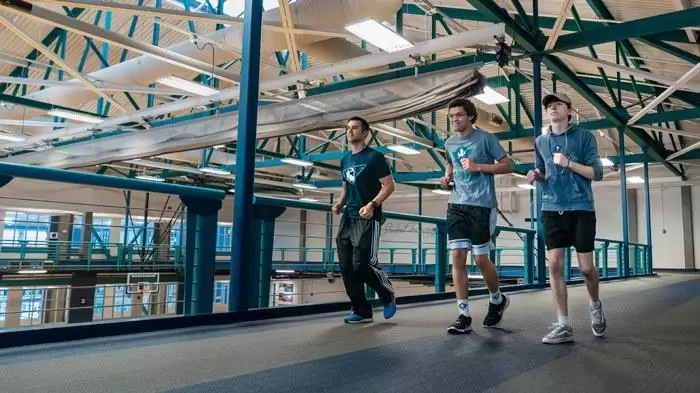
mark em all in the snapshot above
pixel 570 228
pixel 470 227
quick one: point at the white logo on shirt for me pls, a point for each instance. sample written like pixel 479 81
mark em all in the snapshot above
pixel 352 172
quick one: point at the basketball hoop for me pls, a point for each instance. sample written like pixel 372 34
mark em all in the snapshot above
pixel 142 283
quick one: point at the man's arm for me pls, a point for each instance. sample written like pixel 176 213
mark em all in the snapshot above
pixel 341 200
pixel 591 168
pixel 449 171
pixel 386 190
pixel 503 164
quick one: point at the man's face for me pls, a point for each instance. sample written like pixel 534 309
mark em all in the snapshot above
pixel 459 121
pixel 558 111
pixel 354 131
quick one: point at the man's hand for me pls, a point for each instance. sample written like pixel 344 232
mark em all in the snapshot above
pixel 534 175
pixel 560 160
pixel 336 208
pixel 367 211
pixel 445 182
pixel 469 165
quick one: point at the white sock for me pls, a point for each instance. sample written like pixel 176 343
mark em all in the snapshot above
pixel 496 297
pixel 563 320
pixel 463 306
pixel 595 304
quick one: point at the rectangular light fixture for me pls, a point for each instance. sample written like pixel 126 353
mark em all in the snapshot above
pixel 378 35
pixel 491 97
pixel 403 149
pixel 85 118
pixel 441 191
pixel 31 271
pixel 215 171
pixel 185 85
pixel 11 138
pixel 635 180
pixel 305 186
pixel 150 178
pixel 308 199
pixel 295 161
pixel 606 161
pixel 526 186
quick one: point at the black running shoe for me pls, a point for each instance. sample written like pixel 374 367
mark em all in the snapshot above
pixel 461 325
pixel 495 315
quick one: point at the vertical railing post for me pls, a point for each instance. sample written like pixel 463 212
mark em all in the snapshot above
pixel 440 257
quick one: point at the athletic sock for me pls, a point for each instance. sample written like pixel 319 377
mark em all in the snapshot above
pixel 463 306
pixel 496 297
pixel 595 304
pixel 563 320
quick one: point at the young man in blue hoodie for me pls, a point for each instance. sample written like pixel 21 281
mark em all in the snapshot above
pixel 567 162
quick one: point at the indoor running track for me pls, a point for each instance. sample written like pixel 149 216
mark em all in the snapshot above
pixel 652 345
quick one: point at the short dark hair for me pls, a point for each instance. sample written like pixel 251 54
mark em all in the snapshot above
pixel 363 122
pixel 465 104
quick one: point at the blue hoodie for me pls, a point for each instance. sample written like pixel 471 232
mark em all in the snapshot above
pixel 564 189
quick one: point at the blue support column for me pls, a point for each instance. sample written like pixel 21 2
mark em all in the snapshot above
pixel 263 231
pixel 647 207
pixel 623 199
pixel 200 254
pixel 440 257
pixel 541 251
pixel 242 255
pixel 420 231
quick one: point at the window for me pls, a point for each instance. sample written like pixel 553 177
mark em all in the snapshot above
pixel 98 309
pixel 32 303
pixel 221 292
pixel 134 234
pixel 101 233
pixel 224 238
pixel 3 304
pixel 122 301
pixel 171 299
pixel 32 228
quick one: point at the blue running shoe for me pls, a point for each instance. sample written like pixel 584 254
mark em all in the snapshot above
pixel 390 310
pixel 354 318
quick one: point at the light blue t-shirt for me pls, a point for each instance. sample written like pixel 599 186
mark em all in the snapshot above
pixel 474 188
pixel 564 189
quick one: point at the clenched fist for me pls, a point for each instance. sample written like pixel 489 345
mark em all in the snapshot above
pixel 469 165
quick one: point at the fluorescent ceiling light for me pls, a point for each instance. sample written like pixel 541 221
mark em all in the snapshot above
pixel 308 200
pixel 32 271
pixel 378 35
pixel 491 97
pixel 149 177
pixel 11 138
pixel 403 149
pixel 284 271
pixel 219 146
pixel 305 186
pixel 606 161
pixel 215 171
pixel 30 123
pixel 188 86
pixel 526 186
pixel 294 161
pixel 85 118
pixel 635 180
pixel 442 192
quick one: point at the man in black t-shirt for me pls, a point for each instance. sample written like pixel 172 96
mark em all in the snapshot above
pixel 367 183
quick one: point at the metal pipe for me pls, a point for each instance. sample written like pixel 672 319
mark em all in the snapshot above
pixel 75 177
pixel 647 208
pixel 623 202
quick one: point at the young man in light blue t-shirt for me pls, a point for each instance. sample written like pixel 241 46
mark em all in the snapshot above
pixel 474 157
pixel 566 163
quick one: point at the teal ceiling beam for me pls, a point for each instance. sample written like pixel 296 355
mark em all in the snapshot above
pixel 544 22
pixel 643 27
pixel 533 45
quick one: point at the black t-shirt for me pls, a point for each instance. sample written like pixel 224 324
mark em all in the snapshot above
pixel 361 173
